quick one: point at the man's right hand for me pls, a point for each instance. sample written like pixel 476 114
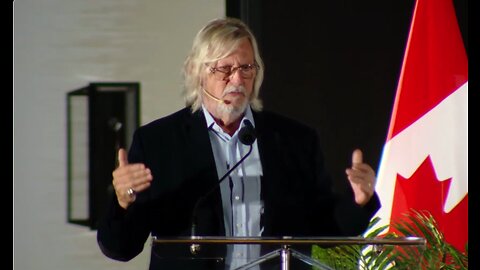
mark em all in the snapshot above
pixel 129 179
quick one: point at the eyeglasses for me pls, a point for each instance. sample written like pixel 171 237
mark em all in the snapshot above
pixel 246 71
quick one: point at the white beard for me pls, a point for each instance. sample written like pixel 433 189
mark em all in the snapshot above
pixel 229 112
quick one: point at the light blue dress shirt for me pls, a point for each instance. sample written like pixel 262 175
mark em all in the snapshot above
pixel 242 207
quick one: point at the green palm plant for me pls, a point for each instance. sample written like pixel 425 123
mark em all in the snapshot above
pixel 438 254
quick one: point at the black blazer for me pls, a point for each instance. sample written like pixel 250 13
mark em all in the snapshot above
pixel 296 190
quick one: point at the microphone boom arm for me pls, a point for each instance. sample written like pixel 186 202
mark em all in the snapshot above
pixel 246 136
pixel 195 208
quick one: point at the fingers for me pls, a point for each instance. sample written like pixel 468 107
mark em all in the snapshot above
pixel 122 157
pixel 360 171
pixel 140 179
pixel 134 176
pixel 129 179
pixel 357 157
pixel 362 181
pixel 361 177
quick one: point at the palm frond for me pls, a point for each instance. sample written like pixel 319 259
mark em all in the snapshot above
pixel 438 254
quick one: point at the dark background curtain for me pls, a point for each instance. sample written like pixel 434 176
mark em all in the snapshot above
pixel 334 65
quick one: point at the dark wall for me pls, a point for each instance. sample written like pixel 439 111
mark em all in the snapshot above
pixel 335 66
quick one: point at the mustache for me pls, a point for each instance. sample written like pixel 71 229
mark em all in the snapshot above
pixel 234 89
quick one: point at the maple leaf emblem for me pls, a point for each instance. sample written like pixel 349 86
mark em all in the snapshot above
pixel 424 192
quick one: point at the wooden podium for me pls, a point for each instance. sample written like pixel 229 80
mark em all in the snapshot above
pixel 285 251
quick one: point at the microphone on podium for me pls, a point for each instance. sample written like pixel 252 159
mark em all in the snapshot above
pixel 247 136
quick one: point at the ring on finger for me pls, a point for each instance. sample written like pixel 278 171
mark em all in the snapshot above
pixel 131 192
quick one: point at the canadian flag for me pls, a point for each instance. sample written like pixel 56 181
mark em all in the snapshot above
pixel 424 165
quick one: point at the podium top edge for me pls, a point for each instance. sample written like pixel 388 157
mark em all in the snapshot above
pixel 288 240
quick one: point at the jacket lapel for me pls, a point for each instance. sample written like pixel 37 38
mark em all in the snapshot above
pixel 197 136
pixel 269 149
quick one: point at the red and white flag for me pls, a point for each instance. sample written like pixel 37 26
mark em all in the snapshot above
pixel 425 158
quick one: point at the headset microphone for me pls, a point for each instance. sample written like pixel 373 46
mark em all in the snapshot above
pixel 212 97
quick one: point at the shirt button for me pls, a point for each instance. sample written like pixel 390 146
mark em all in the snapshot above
pixel 237 198
pixel 239 225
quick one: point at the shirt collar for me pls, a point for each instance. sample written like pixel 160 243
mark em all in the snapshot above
pixel 211 122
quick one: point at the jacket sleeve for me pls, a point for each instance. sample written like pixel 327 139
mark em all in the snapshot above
pixel 122 232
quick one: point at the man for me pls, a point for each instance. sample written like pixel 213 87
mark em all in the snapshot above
pixel 280 189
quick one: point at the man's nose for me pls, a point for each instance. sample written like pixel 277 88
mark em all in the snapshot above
pixel 236 78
